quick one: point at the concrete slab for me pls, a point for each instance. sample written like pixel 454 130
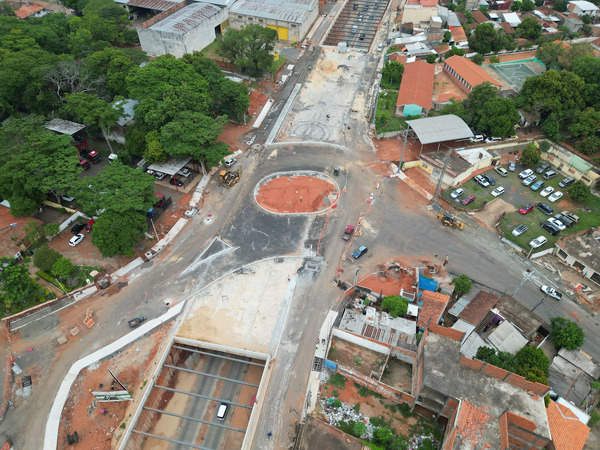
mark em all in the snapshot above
pixel 246 311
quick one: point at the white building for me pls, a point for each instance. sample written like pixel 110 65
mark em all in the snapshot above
pixel 188 29
pixel 290 18
pixel 581 8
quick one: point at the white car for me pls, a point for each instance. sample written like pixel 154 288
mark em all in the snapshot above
pixel 538 242
pixel 546 192
pixel 498 191
pixel 476 138
pixel 184 173
pixel 555 196
pixel 557 223
pixel 551 292
pixel 457 193
pixel 525 174
pixel 229 162
pixel 518 231
pixel 159 175
pixel 76 239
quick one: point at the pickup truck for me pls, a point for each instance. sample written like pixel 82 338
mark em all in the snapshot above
pixel 348 232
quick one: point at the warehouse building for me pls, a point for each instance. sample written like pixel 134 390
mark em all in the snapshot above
pixel 290 18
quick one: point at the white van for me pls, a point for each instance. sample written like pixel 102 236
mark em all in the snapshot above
pixel 222 411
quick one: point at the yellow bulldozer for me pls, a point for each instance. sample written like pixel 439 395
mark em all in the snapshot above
pixel 228 178
pixel 449 221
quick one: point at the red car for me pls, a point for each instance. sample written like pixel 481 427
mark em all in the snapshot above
pixel 469 199
pixel 89 225
pixel 527 208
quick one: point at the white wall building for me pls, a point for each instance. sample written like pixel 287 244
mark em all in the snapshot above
pixel 581 8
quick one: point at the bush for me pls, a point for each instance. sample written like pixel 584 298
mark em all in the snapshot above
pixel 337 403
pixel 395 305
pixel 478 59
pixel 531 155
pixel 566 334
pixel 579 191
pixel 50 229
pixel 63 268
pixel 44 258
pixel 594 418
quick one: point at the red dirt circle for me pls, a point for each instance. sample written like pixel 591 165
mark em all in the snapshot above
pixel 297 194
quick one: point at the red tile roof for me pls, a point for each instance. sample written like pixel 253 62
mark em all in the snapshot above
pixel 441 49
pixel 507 28
pixel 568 433
pixel 479 17
pixel 434 303
pixel 471 424
pixel 398 57
pixel 469 71
pixel 417 85
pixel 28 9
pixel 458 34
pixel 476 310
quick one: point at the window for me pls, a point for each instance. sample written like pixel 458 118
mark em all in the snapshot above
pixel 562 254
pixel 294 25
pixel 260 20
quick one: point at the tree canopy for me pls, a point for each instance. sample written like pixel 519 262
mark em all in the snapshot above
pixel 529 362
pixel 117 233
pixel 530 156
pixel 566 333
pixel 395 305
pixel 249 48
pixel 462 285
pixel 16 287
pixel 485 39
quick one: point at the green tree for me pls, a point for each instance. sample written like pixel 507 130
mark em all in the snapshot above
pixel 117 233
pixel 95 112
pixel 50 229
pixel 560 5
pixel 233 99
pixel 462 285
pixel 395 305
pixel 499 117
pixel 552 126
pixel 44 258
pixel 195 134
pixel 34 231
pixel 529 28
pixel 585 124
pixel 566 334
pixel 107 9
pixel 478 59
pixel 454 50
pixel 16 287
pixel 115 65
pixel 447 36
pixel 359 429
pixel 530 156
pixel 118 188
pixel 250 49
pixel 456 108
pixel 391 73
pixel 586 19
pixel 516 5
pixel 431 59
pixel 154 151
pixel 528 359
pixel 588 69
pixel 551 54
pixel 63 268
pixel 589 145
pixel 527 5
pixel 485 39
pixel 205 67
pixel 33 162
pixel 494 59
pixel 579 191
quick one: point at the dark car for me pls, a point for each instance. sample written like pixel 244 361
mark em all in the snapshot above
pixel 176 182
pixel 359 252
pixel 542 168
pixel 566 182
pixel 565 220
pixel 76 229
pixel 469 199
pixel 489 179
pixel 545 208
pixel 366 8
pixel 361 36
pixel 550 228
pixel 355 7
pixel 159 200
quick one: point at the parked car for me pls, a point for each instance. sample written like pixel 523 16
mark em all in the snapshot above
pixel 94 157
pixel 75 229
pixel 380 47
pixel 550 174
pixel 76 239
pixel 519 230
pixel 159 175
pixel 526 209
pixel 551 292
pixel 230 162
pixel 89 225
pixel 84 164
pixel 538 242
pixel 512 166
pixel 547 191
pixel 469 199
pixel 545 208
pixel 498 191
pixel 482 181
pixel 359 252
pixel 501 171
pixel 457 193
pixel 568 222
pixel 555 196
pixel 175 182
pixel 529 180
pixel 542 168
pixel 525 174
pixel 489 179
pixel 550 228
pixel 557 223
pixel 566 182
pixel 537 185
pixel 571 216
pixel 476 138
pixel 184 172
pixel 492 139
pixel 159 200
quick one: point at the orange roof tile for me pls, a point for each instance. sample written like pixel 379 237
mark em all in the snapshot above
pixel 441 49
pixel 433 307
pixel 469 71
pixel 566 430
pixel 398 57
pixel 476 310
pixel 458 34
pixel 479 17
pixel 471 423
pixel 417 85
pixel 507 28
pixel 27 10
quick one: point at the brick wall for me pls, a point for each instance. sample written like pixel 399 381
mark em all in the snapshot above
pixel 450 333
pixel 383 389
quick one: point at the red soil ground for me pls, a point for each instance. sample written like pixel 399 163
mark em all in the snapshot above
pixel 296 194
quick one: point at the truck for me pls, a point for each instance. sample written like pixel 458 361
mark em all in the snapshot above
pixel 348 232
pixel 94 157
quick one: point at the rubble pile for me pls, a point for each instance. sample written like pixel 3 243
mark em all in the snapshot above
pixel 345 413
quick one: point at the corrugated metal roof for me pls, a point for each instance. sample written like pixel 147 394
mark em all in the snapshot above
pixel 284 10
pixel 187 18
pixel 507 338
pixel 64 126
pixel 156 5
pixel 440 129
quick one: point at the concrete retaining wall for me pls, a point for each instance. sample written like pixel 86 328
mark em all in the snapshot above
pixel 358 340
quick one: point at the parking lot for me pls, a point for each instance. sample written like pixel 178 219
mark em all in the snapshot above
pixel 357 24
pixel 202 399
pixel 516 195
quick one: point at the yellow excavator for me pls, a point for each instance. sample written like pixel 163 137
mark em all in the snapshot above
pixel 449 221
pixel 228 178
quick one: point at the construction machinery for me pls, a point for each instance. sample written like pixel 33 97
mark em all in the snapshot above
pixel 228 178
pixel 449 221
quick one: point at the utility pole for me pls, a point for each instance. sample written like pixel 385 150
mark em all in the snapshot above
pixel 527 276
pixel 439 184
pixel 403 147
pixel 541 301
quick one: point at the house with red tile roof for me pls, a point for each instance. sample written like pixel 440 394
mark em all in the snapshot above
pixel 28 10
pixel 568 432
pixel 416 90
pixel 478 308
pixel 397 57
pixel 479 17
pixel 458 35
pixel 466 73
pixel 433 305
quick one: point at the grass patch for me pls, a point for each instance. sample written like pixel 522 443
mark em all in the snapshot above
pixel 335 393
pixel 378 421
pixel 337 381
pixel 366 392
pixel 404 409
pixel 332 355
pixel 356 408
pixel 385 120
pixel 482 195
pixel 277 64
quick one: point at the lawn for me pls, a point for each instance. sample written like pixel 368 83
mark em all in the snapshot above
pixel 78 278
pixel 386 121
pixel 481 194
